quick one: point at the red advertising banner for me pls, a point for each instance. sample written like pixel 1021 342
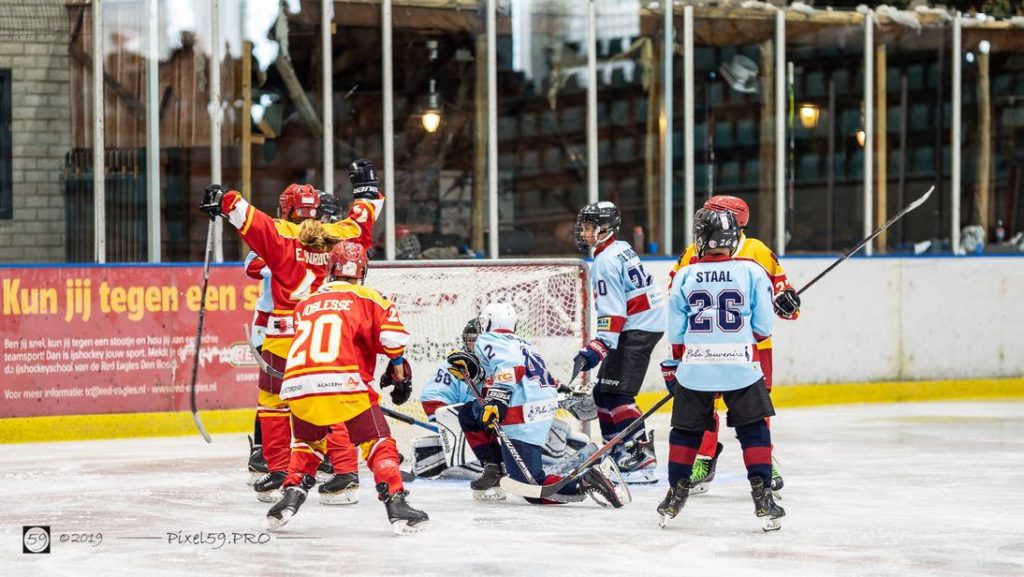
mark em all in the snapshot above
pixel 121 339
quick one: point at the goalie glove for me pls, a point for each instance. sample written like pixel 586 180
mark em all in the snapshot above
pixel 495 406
pixel 465 367
pixel 787 304
pixel 668 372
pixel 402 386
pixel 591 356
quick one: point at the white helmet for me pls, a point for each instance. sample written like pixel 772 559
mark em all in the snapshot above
pixel 498 316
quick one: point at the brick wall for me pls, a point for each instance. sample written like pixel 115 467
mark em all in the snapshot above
pixel 36 52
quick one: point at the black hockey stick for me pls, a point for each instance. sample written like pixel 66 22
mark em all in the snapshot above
pixel 266 368
pixel 199 333
pixel 546 491
pixel 864 242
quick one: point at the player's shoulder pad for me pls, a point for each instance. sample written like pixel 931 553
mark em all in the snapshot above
pixel 363 292
pixel 286 228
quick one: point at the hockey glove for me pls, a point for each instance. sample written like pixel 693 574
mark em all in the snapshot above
pixel 402 386
pixel 591 356
pixel 787 303
pixel 495 406
pixel 465 367
pixel 364 180
pixel 330 208
pixel 213 197
pixel 668 372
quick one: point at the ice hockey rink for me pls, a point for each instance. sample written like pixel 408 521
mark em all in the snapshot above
pixel 871 490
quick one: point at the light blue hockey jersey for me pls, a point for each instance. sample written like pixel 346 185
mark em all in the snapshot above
pixel 625 294
pixel 512 363
pixel 445 389
pixel 263 304
pixel 718 309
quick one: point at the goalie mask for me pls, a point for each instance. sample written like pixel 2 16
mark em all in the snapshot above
pixel 733 204
pixel 715 229
pixel 498 317
pixel 596 223
pixel 299 202
pixel 469 334
pixel 347 260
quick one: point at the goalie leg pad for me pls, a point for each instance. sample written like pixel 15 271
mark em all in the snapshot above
pixel 558 434
pixel 428 456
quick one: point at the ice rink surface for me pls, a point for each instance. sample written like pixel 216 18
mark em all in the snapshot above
pixel 871 490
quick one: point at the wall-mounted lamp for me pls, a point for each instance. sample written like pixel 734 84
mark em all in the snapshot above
pixel 431 117
pixel 809 115
pixel 861 138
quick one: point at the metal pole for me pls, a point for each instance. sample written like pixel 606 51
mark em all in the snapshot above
pixel 592 192
pixel 688 185
pixel 492 128
pixel 954 231
pixel 869 123
pixel 98 148
pixel 153 134
pixel 327 80
pixel 389 129
pixel 668 49
pixel 216 118
pixel 780 132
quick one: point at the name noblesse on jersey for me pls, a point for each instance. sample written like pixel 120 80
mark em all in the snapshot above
pixel 714 276
pixel 326 305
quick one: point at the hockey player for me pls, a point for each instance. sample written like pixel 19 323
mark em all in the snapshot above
pixel 787 306
pixel 340 330
pixel 719 308
pixel 282 243
pixel 630 322
pixel 522 398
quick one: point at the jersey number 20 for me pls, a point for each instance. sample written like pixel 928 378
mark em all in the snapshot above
pixel 324 335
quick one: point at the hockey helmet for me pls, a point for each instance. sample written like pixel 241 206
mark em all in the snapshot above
pixel 733 204
pixel 330 208
pixel 715 229
pixel 347 260
pixel 498 317
pixel 604 220
pixel 299 202
pixel 470 333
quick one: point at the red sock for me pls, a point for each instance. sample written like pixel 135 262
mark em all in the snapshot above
pixel 277 437
pixel 304 461
pixel 341 452
pixel 383 461
pixel 709 444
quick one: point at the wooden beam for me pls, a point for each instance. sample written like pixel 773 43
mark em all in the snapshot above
pixel 245 123
pixel 765 192
pixel 479 147
pixel 652 147
pixel 881 148
pixel 983 192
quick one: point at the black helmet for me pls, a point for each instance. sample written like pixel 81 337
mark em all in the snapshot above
pixel 715 229
pixel 470 333
pixel 606 220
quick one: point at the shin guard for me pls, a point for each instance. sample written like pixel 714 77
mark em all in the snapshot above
pixel 341 452
pixel 382 458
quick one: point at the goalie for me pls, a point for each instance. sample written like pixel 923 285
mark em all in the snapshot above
pixel 519 405
pixel 451 452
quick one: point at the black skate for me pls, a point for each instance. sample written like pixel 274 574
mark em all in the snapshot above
pixel 764 505
pixel 288 506
pixel 704 472
pixel 673 501
pixel 777 482
pixel 340 490
pixel 404 519
pixel 636 460
pixel 604 484
pixel 325 472
pixel 268 488
pixel 257 464
pixel 486 486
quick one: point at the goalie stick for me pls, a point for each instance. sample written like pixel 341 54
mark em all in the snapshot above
pixel 266 368
pixel 547 490
pixel 199 333
pixel 862 243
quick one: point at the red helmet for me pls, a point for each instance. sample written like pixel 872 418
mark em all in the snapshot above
pixel 347 260
pixel 733 204
pixel 299 202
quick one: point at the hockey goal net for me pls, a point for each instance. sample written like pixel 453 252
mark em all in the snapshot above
pixel 437 298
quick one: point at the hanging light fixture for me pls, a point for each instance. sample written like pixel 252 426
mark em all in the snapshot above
pixel 809 115
pixel 431 117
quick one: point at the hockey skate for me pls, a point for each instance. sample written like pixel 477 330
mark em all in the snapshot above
pixel 325 472
pixel 637 462
pixel 605 485
pixel 704 472
pixel 673 501
pixel 268 488
pixel 288 506
pixel 340 490
pixel 764 505
pixel 777 482
pixel 404 519
pixel 485 487
pixel 257 464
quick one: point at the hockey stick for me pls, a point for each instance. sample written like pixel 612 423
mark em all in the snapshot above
pixel 545 491
pixel 199 333
pixel 266 368
pixel 862 243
